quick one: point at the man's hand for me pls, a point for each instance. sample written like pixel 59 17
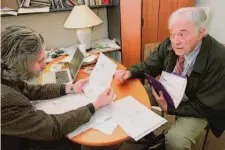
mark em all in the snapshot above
pixel 160 99
pixel 122 76
pixel 105 98
pixel 77 87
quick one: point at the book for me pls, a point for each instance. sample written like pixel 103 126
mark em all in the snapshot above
pixel 33 10
pixel 39 4
pixel 86 2
pixel 172 85
pixel 105 2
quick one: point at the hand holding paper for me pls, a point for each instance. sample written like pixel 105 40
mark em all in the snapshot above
pixel 122 76
pixel 77 87
pixel 172 86
pixel 105 98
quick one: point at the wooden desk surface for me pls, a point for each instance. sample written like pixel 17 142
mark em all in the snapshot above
pixel 93 137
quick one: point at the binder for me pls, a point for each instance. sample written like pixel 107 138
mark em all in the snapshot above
pixel 173 89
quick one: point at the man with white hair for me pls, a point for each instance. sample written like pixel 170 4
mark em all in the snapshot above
pixel 191 52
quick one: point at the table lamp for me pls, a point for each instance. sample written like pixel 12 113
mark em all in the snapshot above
pixel 82 18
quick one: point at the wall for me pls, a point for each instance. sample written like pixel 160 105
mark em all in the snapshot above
pixel 216 22
pixel 50 25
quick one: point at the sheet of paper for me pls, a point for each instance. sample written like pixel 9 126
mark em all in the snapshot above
pixel 174 85
pixel 106 127
pixel 100 78
pixel 99 117
pixel 62 104
pixel 134 118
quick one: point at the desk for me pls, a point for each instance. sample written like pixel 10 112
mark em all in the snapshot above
pixel 93 137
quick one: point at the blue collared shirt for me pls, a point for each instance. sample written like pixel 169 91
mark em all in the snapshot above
pixel 190 60
pixel 189 63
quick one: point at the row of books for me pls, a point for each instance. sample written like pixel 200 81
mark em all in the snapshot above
pixel 98 2
pixel 14 7
pixel 57 4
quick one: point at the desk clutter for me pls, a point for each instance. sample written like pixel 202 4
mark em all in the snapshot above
pixel 104 43
pixel 68 53
pixel 132 116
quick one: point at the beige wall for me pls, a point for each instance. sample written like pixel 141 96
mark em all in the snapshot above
pixel 216 22
pixel 50 25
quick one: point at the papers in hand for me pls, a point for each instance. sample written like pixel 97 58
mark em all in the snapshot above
pixel 173 87
pixel 100 78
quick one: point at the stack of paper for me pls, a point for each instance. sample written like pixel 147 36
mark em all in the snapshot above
pixel 99 117
pixel 104 43
pixel 134 118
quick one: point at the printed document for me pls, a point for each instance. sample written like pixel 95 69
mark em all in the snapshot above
pixel 134 118
pixel 172 85
pixel 100 78
pixel 62 104
pixel 175 86
pixel 98 118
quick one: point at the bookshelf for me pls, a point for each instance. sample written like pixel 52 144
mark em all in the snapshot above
pixel 52 10
pixel 68 9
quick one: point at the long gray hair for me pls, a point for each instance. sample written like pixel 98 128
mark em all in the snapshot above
pixel 20 46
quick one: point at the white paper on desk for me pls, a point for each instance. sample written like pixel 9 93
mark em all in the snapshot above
pixel 134 118
pixel 62 104
pixel 105 43
pixel 99 117
pixel 100 78
pixel 106 127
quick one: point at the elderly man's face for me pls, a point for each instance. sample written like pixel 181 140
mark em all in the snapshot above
pixel 183 36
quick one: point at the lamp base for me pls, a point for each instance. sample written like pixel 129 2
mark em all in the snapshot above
pixel 84 36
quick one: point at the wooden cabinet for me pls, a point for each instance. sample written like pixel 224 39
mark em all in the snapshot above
pixel 145 22
pixel 130 11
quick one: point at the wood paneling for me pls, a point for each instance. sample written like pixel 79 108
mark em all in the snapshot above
pixel 185 3
pixel 155 28
pixel 150 14
pixel 131 31
pixel 167 7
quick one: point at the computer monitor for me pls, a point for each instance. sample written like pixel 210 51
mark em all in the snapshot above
pixel 76 63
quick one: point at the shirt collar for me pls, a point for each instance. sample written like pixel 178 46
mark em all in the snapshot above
pixel 189 58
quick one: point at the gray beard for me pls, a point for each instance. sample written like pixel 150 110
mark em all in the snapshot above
pixel 32 75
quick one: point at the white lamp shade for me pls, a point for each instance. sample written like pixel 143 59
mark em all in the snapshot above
pixel 82 17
